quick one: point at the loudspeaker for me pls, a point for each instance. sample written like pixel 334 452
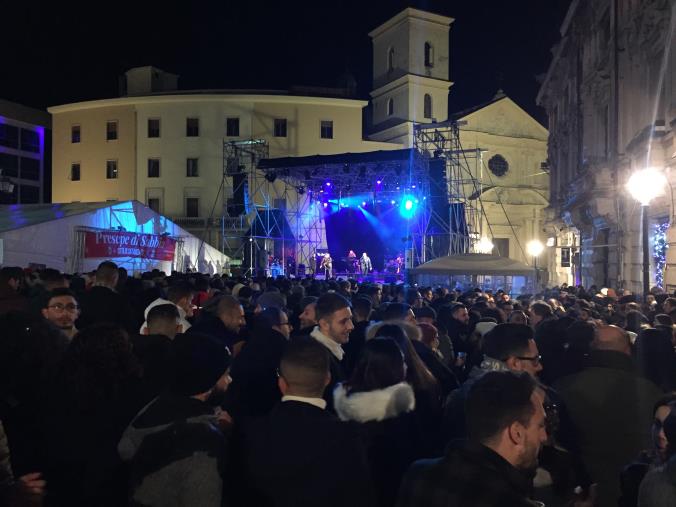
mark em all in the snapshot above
pixel 240 189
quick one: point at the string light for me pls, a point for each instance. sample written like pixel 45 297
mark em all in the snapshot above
pixel 660 246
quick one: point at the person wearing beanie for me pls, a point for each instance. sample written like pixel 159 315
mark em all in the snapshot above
pixel 180 434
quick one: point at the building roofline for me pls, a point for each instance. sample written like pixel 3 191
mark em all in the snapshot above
pixel 25 114
pixel 207 96
pixel 427 16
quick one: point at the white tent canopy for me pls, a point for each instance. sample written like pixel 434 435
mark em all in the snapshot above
pixel 47 235
pixel 474 264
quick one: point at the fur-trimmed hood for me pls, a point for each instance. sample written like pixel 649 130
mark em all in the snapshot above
pixel 412 331
pixel 373 405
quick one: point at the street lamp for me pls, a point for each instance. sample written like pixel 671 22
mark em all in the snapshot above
pixel 535 248
pixel 484 246
pixel 644 186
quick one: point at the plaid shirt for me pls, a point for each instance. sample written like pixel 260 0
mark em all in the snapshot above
pixel 470 475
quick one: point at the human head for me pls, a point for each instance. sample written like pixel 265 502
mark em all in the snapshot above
pixel 518 317
pixel 669 305
pixel 304 369
pixel 660 412
pixel 181 293
pixel 459 313
pixel 514 345
pixel 361 308
pixel 430 335
pixel 200 366
pixel 12 277
pixel 380 365
pixel 414 298
pixel 164 320
pixel 53 279
pixel 504 411
pixel 425 315
pixel 611 338
pixel 276 319
pixel 61 309
pixel 334 317
pixel 539 311
pixel 427 294
pixel 231 313
pixel 398 311
pixel 107 274
pixel 308 315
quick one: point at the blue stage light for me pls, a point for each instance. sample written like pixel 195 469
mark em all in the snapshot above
pixel 408 207
pixel 363 203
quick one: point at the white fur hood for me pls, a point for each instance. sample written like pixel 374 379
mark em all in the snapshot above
pixel 373 405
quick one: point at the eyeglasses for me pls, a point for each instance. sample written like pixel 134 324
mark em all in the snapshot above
pixel 536 359
pixel 59 307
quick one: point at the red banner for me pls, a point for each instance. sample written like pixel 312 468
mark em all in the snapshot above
pixel 111 244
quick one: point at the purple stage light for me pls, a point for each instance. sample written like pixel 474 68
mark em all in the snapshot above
pixel 326 204
pixel 378 182
pixel 328 183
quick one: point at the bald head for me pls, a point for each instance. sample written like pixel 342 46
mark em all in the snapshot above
pixel 612 338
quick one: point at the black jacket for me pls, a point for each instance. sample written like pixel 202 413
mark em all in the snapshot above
pixel 254 389
pixel 211 325
pixel 470 475
pixel 103 305
pixel 302 455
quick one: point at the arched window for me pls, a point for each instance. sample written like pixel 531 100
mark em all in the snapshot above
pixel 390 107
pixel 390 60
pixel 429 55
pixel 427 106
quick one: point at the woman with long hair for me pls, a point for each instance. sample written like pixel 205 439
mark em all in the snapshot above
pixel 380 402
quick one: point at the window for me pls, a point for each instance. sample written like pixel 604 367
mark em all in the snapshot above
pixel 9 165
pixel 30 141
pixel 9 136
pixel 111 131
pixel 154 204
pixel 192 127
pixel 232 127
pixel 153 127
pixel 280 127
pixel 192 207
pixel 326 131
pixel 191 168
pixel 390 60
pixel 75 134
pixel 390 107
pixel 153 168
pixel 498 165
pixel 29 194
pixel 30 169
pixel 429 55
pixel 75 172
pixel 427 106
pixel 111 169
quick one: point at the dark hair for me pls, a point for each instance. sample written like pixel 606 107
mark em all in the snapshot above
pixel 636 321
pixel 455 307
pixel 380 365
pixel 98 365
pixel 304 365
pixel 61 291
pixel 179 290
pixel 106 271
pixel 541 309
pixel 396 311
pixel 271 316
pixel 362 306
pixel 655 357
pixel 425 312
pixel 329 303
pixel 497 400
pixel 417 374
pixel 506 340
pixel 162 313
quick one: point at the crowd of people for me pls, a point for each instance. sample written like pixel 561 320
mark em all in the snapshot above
pixel 188 389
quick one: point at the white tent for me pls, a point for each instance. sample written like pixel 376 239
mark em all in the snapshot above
pixel 53 235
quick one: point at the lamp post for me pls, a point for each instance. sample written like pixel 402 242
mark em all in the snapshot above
pixel 535 248
pixel 644 186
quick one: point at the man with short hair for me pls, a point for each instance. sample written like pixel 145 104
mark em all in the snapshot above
pixel 334 325
pixel 62 310
pixel 11 300
pixel 223 319
pixel 361 313
pixel 179 434
pixel 103 304
pixel 300 454
pixel 455 318
pixel 611 407
pixel 307 318
pixel 179 294
pixel 495 466
pixel 669 305
pixel 399 311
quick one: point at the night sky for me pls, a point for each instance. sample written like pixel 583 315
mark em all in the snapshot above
pixel 61 52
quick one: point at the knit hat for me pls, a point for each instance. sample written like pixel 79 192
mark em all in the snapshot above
pixel 199 361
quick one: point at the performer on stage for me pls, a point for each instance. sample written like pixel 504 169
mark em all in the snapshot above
pixel 365 264
pixel 400 262
pixel 352 262
pixel 327 265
